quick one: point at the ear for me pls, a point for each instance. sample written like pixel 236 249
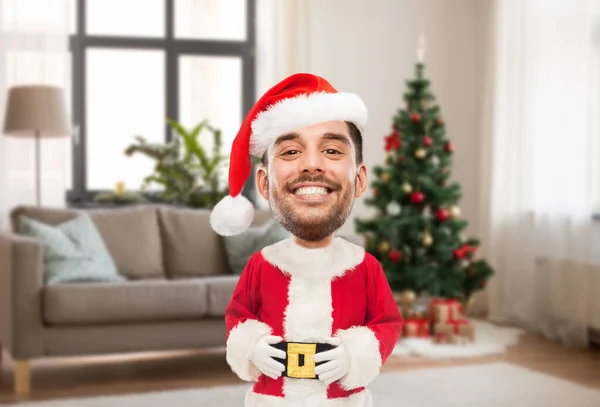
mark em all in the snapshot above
pixel 361 180
pixel 262 182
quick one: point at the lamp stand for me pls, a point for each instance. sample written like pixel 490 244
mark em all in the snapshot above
pixel 37 169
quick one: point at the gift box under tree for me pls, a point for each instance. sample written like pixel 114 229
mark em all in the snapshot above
pixel 448 322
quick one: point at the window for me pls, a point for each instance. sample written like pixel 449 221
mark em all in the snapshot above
pixel 137 62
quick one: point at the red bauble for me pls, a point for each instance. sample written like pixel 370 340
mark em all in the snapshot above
pixel 415 117
pixel 449 147
pixel 427 141
pixel 459 253
pixel 440 122
pixel 463 251
pixel 375 192
pixel 441 214
pixel 395 255
pixel 483 283
pixel 417 197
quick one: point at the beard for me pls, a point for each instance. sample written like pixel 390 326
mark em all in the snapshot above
pixel 312 221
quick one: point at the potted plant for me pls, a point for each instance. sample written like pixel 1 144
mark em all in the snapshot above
pixel 186 174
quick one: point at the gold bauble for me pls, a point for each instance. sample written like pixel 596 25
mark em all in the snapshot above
pixel 407 297
pixel 407 188
pixel 420 153
pixel 385 177
pixel 470 303
pixel 427 239
pixel 454 211
pixel 384 246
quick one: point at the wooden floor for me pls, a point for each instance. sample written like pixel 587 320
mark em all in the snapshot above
pixel 76 377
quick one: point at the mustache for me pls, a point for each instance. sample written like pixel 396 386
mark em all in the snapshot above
pixel 291 186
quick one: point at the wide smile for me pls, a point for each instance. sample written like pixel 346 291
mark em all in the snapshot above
pixel 312 193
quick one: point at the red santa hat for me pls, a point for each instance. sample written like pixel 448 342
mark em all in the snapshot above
pixel 297 101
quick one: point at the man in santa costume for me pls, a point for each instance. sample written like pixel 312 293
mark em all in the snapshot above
pixel 312 318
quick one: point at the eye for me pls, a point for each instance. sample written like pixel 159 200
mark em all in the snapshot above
pixel 332 151
pixel 290 152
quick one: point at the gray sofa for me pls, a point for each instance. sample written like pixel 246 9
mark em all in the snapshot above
pixel 178 285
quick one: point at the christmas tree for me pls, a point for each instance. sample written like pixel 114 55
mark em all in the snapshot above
pixel 418 233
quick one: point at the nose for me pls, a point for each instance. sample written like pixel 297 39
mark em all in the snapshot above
pixel 312 162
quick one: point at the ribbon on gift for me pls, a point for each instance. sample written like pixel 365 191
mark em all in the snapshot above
pixel 453 307
pixel 421 326
pixel 457 324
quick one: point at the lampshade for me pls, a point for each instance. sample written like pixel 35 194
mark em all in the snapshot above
pixel 32 108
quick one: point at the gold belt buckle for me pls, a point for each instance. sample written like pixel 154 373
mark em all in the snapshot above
pixel 300 362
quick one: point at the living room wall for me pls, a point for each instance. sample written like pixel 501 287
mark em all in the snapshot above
pixel 370 48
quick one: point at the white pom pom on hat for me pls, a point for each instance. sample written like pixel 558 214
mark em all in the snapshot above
pixel 298 101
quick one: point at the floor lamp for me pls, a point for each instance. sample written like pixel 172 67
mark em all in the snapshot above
pixel 36 111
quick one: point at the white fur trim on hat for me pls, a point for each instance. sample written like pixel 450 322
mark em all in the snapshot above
pixel 304 110
pixel 232 215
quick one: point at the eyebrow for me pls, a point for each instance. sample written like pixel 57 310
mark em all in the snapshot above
pixel 338 137
pixel 286 137
pixel 326 136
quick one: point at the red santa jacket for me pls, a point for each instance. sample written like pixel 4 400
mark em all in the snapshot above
pixel 309 295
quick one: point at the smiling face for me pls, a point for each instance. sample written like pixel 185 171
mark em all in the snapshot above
pixel 311 180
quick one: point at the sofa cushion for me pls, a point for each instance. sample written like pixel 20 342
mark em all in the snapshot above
pixel 73 251
pixel 219 290
pixel 134 301
pixel 191 247
pixel 132 235
pixel 241 247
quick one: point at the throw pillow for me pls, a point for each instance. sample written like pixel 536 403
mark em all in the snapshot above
pixel 74 251
pixel 241 247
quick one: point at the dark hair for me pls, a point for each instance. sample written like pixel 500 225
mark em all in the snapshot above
pixel 356 139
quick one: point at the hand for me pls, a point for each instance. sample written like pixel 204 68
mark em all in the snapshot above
pixel 263 353
pixel 338 362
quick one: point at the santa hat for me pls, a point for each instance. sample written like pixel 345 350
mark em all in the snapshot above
pixel 298 101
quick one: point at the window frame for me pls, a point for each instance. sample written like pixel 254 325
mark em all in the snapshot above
pixel 81 41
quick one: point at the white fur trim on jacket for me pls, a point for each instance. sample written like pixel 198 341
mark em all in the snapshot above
pixel 314 264
pixel 360 399
pixel 365 358
pixel 240 343
pixel 305 110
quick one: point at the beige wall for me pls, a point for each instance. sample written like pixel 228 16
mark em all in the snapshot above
pixel 369 47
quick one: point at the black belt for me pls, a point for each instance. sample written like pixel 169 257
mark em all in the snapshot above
pixel 299 362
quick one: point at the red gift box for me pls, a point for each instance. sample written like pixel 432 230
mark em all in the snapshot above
pixel 416 328
pixel 446 311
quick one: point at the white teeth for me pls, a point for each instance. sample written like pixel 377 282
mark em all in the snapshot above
pixel 311 191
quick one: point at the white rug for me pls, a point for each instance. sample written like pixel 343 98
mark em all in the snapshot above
pixel 490 385
pixel 489 339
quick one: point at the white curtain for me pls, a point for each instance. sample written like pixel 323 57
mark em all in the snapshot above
pixel 540 163
pixel 33 50
pixel 282 45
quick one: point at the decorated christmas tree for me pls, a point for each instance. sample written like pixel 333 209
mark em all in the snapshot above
pixel 418 233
